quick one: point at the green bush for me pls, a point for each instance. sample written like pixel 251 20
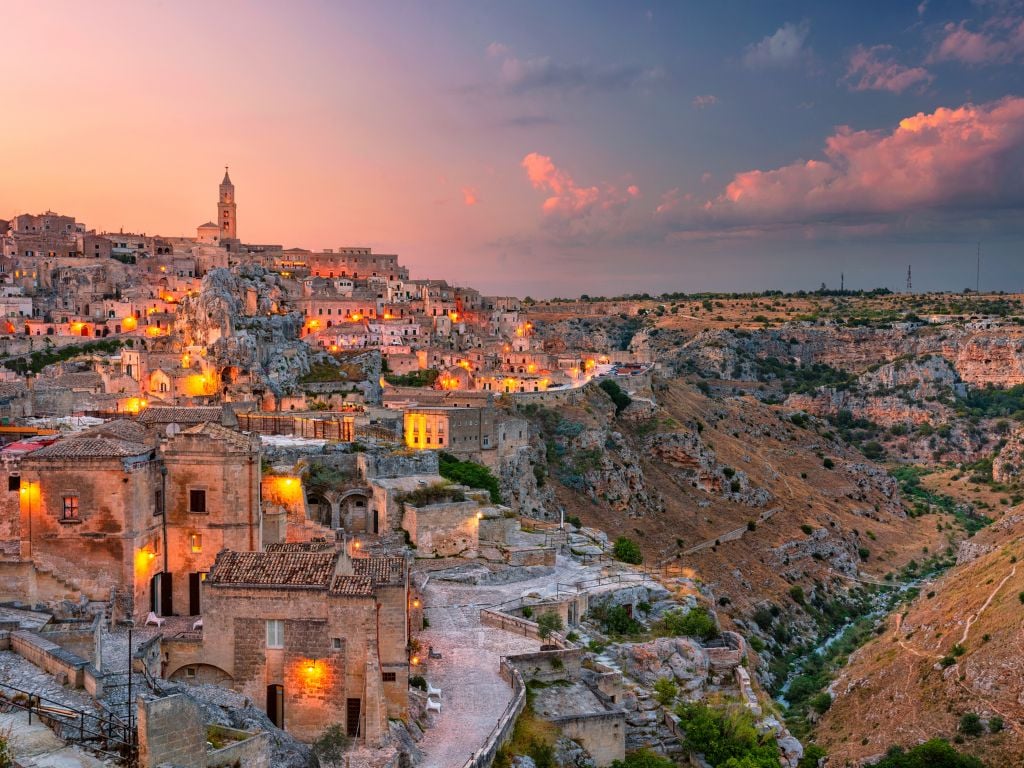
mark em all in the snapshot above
pixel 970 724
pixel 644 758
pixel 469 473
pixel 697 622
pixel 936 753
pixel 828 463
pixel 617 395
pixel 423 378
pixel 995 724
pixel 627 550
pixel 331 745
pixel 727 737
pixel 665 690
pixel 418 681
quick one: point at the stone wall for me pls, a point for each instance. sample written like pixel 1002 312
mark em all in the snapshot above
pixel 446 529
pixel 484 757
pixel 547 666
pixel 171 731
pixel 602 735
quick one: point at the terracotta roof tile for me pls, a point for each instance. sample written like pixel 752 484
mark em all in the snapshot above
pixel 352 586
pixel 273 569
pixel 91 448
pixel 300 546
pixel 163 414
pixel 382 570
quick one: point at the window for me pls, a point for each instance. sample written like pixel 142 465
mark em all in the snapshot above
pixel 388 677
pixel 336 643
pixel 70 508
pixel 158 505
pixel 14 482
pixel 197 500
pixel 195 541
pixel 190 671
pixel 275 633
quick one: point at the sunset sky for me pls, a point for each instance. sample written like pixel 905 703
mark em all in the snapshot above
pixel 542 148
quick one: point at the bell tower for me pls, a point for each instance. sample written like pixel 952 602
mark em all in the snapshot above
pixel 227 214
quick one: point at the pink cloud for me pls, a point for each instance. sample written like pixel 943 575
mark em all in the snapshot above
pixel 873 69
pixel 567 199
pixel 1000 41
pixel 470 196
pixel 707 100
pixel 963 158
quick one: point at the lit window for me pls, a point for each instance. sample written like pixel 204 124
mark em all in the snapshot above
pixel 195 541
pixel 70 508
pixel 275 633
pixel 197 500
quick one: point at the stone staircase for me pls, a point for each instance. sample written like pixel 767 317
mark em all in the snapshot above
pixel 50 586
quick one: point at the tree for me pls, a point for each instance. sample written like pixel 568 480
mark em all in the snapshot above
pixel 627 550
pixel 548 623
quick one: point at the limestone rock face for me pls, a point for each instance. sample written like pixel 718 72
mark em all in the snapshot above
pixel 1008 465
pixel 678 658
pixel 569 754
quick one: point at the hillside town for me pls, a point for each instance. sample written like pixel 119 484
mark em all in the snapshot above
pixel 275 507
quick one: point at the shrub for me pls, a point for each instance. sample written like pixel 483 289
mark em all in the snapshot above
pixel 616 619
pixel 864 553
pixel 727 737
pixel 995 724
pixel 697 622
pixel 418 681
pixel 644 758
pixel 627 550
pixel 331 745
pixel 617 395
pixel 665 690
pixel 828 463
pixel 808 529
pixel 797 593
pixel 970 724
pixel 574 521
pixel 751 525
pixel 469 473
pixel 821 703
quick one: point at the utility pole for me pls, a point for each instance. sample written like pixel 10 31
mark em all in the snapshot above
pixel 842 282
pixel 977 272
pixel 910 284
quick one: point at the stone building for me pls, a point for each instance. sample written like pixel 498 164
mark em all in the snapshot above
pixel 85 516
pixel 314 636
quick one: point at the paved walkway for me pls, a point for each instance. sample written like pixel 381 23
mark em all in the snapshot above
pixel 473 694
pixel 36 746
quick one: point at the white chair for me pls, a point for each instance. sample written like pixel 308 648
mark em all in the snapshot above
pixel 433 706
pixel 432 691
pixel 197 624
pixel 152 618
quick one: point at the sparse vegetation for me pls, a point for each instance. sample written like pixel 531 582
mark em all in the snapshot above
pixel 469 473
pixel 627 551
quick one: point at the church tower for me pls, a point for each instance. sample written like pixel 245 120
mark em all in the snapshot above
pixel 227 215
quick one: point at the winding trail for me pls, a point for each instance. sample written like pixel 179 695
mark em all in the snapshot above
pixel 972 619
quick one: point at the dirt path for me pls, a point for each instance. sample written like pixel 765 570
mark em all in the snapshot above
pixel 972 619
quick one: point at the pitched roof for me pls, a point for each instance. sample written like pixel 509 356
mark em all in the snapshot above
pixel 352 586
pixel 166 414
pixel 119 429
pixel 232 438
pixel 273 569
pixel 87 447
pixel 381 570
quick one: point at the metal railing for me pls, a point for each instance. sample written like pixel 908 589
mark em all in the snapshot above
pixel 104 734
